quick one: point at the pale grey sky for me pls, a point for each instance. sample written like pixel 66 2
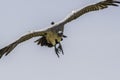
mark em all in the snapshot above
pixel 92 49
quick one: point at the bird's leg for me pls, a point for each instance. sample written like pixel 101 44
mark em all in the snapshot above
pixel 56 51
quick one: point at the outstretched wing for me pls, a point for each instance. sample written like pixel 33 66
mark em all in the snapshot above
pixel 6 50
pixel 60 26
pixel 98 6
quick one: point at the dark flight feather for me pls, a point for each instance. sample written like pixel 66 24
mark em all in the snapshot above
pixel 52 40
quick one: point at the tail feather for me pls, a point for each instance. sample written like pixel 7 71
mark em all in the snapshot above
pixel 6 50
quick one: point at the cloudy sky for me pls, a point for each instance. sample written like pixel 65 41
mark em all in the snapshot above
pixel 92 49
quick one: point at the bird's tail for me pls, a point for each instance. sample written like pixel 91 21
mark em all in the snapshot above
pixel 6 50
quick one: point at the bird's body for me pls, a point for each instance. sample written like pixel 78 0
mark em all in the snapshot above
pixel 53 35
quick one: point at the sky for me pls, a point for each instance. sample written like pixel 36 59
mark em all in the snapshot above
pixel 92 48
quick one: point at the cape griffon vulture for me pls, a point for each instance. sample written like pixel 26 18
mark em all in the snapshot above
pixel 52 36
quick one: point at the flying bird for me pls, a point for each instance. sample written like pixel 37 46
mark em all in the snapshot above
pixel 52 36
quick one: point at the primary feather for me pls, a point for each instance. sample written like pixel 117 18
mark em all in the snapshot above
pixel 51 36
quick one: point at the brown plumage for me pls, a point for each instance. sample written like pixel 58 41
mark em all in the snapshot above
pixel 54 35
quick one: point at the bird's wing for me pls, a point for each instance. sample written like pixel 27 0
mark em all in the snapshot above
pixel 6 50
pixel 98 6
pixel 75 14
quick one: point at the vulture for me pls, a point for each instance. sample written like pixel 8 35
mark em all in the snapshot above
pixel 52 36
